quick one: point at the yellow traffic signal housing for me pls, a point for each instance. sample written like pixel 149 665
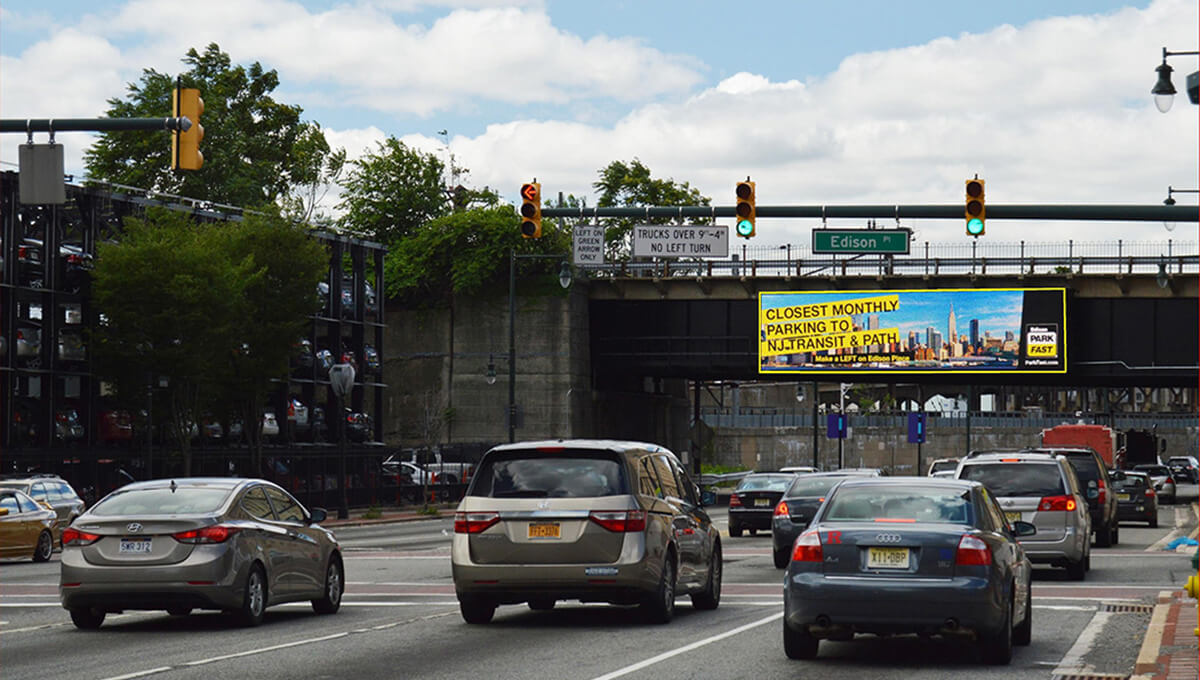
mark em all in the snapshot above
pixel 185 146
pixel 531 210
pixel 975 210
pixel 745 210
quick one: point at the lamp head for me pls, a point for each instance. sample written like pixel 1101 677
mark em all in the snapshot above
pixel 1163 90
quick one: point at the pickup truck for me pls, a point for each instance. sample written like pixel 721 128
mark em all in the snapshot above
pixel 440 471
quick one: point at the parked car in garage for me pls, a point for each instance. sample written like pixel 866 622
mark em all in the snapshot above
pixel 113 426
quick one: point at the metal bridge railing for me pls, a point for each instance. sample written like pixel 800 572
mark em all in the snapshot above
pixel 767 417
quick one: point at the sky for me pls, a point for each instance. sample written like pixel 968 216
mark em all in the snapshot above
pixel 820 103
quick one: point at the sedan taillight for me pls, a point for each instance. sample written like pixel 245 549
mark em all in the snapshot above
pixel 76 537
pixel 217 533
pixel 781 510
pixel 620 521
pixel 474 522
pixel 735 501
pixel 808 547
pixel 972 551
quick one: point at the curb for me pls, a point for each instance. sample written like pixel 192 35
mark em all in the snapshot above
pixel 1147 658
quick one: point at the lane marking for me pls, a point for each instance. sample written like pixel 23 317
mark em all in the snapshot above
pixel 1072 663
pixel 140 674
pixel 687 648
pixel 261 650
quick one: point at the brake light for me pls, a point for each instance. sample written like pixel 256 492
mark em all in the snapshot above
pixel 735 501
pixel 217 533
pixel 808 548
pixel 1149 492
pixel 76 537
pixel 1103 492
pixel 1057 503
pixel 474 522
pixel 972 552
pixel 620 521
pixel 781 510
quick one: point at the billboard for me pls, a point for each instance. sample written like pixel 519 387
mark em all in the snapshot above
pixel 1004 330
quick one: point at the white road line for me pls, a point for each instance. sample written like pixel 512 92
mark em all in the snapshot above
pixel 1072 663
pixel 262 650
pixel 140 674
pixel 1064 608
pixel 687 648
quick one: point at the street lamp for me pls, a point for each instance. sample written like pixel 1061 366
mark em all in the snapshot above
pixel 564 280
pixel 1170 200
pixel 491 370
pixel 341 379
pixel 1164 89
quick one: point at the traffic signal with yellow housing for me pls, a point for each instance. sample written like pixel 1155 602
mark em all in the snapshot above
pixel 531 210
pixel 976 212
pixel 745 211
pixel 185 146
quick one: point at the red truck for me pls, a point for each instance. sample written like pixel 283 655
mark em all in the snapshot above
pixel 1099 438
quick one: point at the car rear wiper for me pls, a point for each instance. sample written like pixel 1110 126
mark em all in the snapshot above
pixel 521 493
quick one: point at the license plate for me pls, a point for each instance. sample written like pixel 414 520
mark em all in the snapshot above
pixel 762 502
pixel 887 558
pixel 1122 496
pixel 134 546
pixel 1012 516
pixel 544 531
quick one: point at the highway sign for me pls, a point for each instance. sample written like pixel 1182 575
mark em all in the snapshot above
pixel 680 240
pixel 881 241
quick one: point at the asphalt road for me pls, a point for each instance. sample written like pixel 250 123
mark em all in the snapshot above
pixel 400 619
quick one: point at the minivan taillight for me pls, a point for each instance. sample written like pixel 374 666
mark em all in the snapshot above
pixel 217 533
pixel 76 537
pixel 781 510
pixel 620 521
pixel 474 522
pixel 1057 503
pixel 972 551
pixel 808 547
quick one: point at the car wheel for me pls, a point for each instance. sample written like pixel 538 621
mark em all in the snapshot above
pixel 660 606
pixel 331 599
pixel 799 644
pixel 1076 570
pixel 710 597
pixel 541 604
pixel 179 611
pixel 87 618
pixel 754 532
pixel 1023 634
pixel 476 610
pixel 44 548
pixel 997 645
pixel 1154 522
pixel 1104 536
pixel 781 559
pixel 735 530
pixel 254 598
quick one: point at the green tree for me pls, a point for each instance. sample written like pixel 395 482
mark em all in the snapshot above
pixel 630 184
pixel 391 193
pixel 256 150
pixel 318 169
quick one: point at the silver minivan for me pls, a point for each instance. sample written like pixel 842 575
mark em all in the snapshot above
pixel 1041 489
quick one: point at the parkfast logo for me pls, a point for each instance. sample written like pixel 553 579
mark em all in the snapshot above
pixel 1041 342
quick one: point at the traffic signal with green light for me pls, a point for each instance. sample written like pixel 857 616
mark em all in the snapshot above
pixel 531 210
pixel 185 146
pixel 976 212
pixel 745 210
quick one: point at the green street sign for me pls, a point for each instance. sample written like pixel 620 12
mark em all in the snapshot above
pixel 881 241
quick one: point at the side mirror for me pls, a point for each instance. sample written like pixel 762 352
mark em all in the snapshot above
pixel 317 515
pixel 1021 528
pixel 708 497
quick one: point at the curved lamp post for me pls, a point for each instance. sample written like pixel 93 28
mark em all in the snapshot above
pixel 341 379
pixel 1164 89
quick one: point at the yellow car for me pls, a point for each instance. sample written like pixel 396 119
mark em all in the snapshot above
pixel 26 526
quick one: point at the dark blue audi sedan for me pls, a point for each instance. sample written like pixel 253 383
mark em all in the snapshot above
pixel 896 555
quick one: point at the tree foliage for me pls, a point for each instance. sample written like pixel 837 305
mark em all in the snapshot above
pixel 256 150
pixel 631 184
pixel 391 193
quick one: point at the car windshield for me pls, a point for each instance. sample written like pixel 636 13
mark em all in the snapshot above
pixel 528 474
pixel 1153 469
pixel 182 500
pixel 908 504
pixel 1017 479
pixel 765 483
pixel 944 465
pixel 806 487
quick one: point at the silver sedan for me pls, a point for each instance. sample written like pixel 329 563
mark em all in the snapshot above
pixel 238 545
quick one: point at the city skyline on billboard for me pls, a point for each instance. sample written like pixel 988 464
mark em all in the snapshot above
pixel 913 331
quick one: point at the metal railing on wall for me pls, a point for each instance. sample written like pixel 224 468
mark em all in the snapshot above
pixel 752 418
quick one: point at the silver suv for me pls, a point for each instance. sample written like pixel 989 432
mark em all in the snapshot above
pixel 589 520
pixel 1041 489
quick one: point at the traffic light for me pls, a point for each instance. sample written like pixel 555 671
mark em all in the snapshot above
pixel 531 210
pixel 745 209
pixel 185 146
pixel 976 213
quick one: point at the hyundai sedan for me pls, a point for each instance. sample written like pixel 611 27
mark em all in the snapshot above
pixel 237 545
pixel 909 555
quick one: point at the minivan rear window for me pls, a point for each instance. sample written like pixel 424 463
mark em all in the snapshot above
pixel 1016 479
pixel 561 474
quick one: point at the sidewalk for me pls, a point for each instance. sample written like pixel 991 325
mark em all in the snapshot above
pixel 1170 651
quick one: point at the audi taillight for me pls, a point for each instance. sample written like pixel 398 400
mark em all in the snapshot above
pixel 217 533
pixel 1057 503
pixel 474 522
pixel 620 521
pixel 972 551
pixel 76 537
pixel 781 510
pixel 808 548
pixel 735 501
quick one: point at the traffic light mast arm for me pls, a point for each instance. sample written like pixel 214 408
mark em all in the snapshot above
pixel 1099 212
pixel 53 125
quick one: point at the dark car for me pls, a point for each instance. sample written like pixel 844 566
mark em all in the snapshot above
pixel 68 426
pixel 798 506
pixel 1136 499
pixel 358 426
pixel 906 555
pixel 1094 477
pixel 371 363
pixel 753 501
pixel 1163 480
pixel 1184 469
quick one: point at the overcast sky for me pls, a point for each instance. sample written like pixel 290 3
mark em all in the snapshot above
pixel 870 102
